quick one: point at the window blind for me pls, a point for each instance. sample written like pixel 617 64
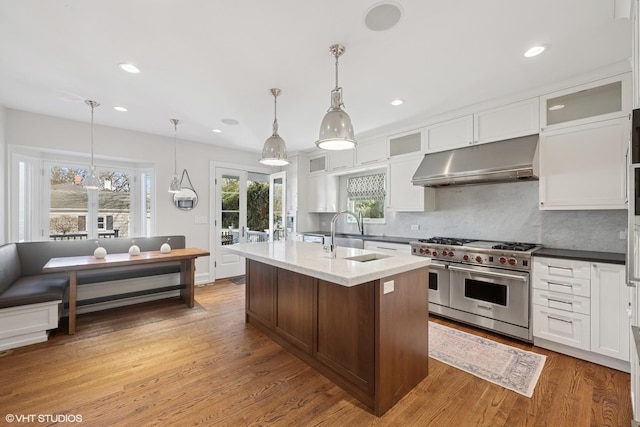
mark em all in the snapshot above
pixel 366 187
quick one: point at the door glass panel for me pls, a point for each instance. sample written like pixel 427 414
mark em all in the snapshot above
pixel 230 198
pixel 485 291
pixel 257 207
pixel 433 281
pixel 278 209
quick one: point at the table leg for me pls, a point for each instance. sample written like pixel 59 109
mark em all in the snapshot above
pixel 72 302
pixel 187 279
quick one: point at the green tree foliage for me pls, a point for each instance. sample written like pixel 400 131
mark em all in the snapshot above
pixel 258 205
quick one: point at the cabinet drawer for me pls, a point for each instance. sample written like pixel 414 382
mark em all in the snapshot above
pixel 564 302
pixel 562 267
pixel 572 329
pixel 562 285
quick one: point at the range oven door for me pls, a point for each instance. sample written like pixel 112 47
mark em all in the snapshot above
pixel 439 283
pixel 490 292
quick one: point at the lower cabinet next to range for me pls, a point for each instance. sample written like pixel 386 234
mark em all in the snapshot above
pixel 580 308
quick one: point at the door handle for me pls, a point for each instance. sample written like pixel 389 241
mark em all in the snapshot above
pixel 489 274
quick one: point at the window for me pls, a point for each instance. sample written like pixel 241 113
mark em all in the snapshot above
pixel 49 202
pixel 366 194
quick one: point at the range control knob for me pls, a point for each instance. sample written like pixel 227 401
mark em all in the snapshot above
pixel 466 257
pixel 479 259
pixel 434 253
pixel 444 253
pixel 503 260
pixel 451 253
pixel 512 261
pixel 421 251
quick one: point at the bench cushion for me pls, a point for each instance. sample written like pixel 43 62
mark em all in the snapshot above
pixel 34 289
pixel 9 266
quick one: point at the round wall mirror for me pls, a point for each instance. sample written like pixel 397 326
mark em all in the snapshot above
pixel 186 199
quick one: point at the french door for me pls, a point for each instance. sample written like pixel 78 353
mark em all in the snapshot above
pixel 242 216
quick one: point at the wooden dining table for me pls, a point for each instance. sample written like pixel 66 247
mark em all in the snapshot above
pixel 74 264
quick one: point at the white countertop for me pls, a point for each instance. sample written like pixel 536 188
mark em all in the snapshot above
pixel 311 259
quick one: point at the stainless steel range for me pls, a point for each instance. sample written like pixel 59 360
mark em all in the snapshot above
pixel 483 283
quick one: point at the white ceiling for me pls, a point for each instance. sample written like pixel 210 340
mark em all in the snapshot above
pixel 206 60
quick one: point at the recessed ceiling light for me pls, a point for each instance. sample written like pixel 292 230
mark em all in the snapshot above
pixel 216 130
pixel 534 51
pixel 129 68
pixel 556 107
pixel 117 108
pixel 397 102
pixel 382 17
pixel 232 122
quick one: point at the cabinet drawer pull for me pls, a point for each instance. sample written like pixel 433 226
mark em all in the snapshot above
pixel 566 285
pixel 384 247
pixel 559 300
pixel 369 161
pixel 560 319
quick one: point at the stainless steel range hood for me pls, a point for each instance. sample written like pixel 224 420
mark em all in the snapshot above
pixel 501 161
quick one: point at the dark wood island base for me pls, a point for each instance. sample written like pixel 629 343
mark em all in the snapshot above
pixel 372 344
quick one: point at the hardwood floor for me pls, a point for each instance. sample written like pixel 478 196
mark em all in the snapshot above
pixel 162 363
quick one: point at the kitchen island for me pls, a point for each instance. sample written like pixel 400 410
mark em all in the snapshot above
pixel 361 322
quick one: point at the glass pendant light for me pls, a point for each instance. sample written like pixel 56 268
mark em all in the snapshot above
pixel 91 180
pixel 336 130
pixel 274 151
pixel 174 185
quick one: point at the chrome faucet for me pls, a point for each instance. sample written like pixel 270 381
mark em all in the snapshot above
pixel 333 229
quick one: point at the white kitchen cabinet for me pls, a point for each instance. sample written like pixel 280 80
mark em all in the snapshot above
pixel 609 304
pixel 584 167
pixel 506 122
pixel 393 249
pixel 603 99
pixel 318 163
pixel 371 152
pixel 580 308
pixel 402 195
pixel 340 159
pixel 449 134
pixel 405 144
pixel 322 193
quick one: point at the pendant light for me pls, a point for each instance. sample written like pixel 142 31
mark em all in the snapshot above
pixel 91 181
pixel 174 185
pixel 274 151
pixel 336 130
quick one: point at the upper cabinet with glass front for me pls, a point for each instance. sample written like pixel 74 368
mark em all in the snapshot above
pixel 405 144
pixel 600 100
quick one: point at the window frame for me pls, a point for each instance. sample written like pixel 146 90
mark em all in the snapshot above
pixel 351 202
pixel 33 225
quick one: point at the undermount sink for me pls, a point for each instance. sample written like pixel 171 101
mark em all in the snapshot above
pixel 349 242
pixel 367 257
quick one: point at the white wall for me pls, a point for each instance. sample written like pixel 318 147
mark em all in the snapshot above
pixel 35 130
pixel 3 179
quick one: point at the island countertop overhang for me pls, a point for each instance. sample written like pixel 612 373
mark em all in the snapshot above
pixel 311 259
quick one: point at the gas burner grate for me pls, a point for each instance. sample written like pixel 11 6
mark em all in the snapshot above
pixel 514 246
pixel 450 241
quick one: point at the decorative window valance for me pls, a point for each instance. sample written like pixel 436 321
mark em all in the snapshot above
pixel 366 187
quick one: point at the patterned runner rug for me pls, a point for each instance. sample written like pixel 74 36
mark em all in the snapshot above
pixel 509 367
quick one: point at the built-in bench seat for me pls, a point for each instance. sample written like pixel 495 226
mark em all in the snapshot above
pixel 31 302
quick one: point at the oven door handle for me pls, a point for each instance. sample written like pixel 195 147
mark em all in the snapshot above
pixel 493 273
pixel 437 265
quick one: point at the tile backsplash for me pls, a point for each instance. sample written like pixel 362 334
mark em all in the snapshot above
pixel 506 211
